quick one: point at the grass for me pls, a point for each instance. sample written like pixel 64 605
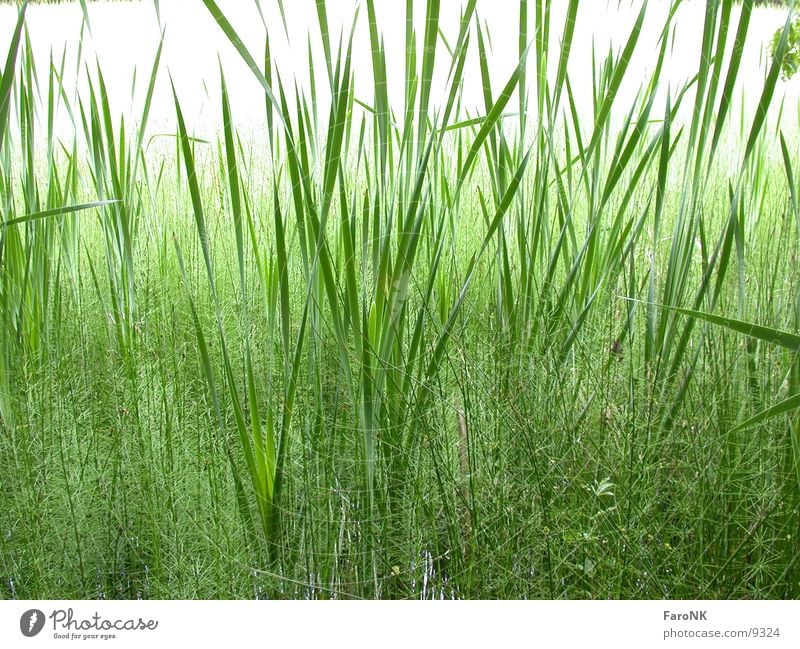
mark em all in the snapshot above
pixel 404 351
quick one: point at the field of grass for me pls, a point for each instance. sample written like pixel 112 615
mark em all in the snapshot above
pixel 404 351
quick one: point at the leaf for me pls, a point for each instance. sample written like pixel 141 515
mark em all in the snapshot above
pixel 781 408
pixel 57 211
pixel 8 73
pixel 767 334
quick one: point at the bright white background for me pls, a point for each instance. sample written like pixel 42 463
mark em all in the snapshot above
pixel 125 35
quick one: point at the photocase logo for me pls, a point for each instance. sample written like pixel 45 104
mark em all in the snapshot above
pixel 31 622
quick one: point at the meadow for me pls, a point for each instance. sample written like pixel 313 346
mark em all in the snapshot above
pixel 387 343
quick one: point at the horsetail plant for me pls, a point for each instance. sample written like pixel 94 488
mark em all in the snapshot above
pixel 391 339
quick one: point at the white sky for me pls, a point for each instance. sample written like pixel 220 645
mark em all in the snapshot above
pixel 125 36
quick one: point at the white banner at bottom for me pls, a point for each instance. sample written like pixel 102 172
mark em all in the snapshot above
pixel 592 624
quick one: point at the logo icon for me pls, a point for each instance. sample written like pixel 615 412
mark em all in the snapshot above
pixel 31 622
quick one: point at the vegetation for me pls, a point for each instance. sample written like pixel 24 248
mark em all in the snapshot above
pixel 404 351
pixel 791 55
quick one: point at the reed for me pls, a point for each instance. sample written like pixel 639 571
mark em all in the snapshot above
pixel 404 348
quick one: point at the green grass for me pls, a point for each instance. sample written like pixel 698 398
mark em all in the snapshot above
pixel 404 351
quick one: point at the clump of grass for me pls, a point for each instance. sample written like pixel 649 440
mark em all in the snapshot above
pixel 388 355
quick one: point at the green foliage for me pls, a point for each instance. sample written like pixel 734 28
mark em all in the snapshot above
pixel 382 351
pixel 790 61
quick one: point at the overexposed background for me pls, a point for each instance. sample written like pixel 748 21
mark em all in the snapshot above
pixel 124 38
